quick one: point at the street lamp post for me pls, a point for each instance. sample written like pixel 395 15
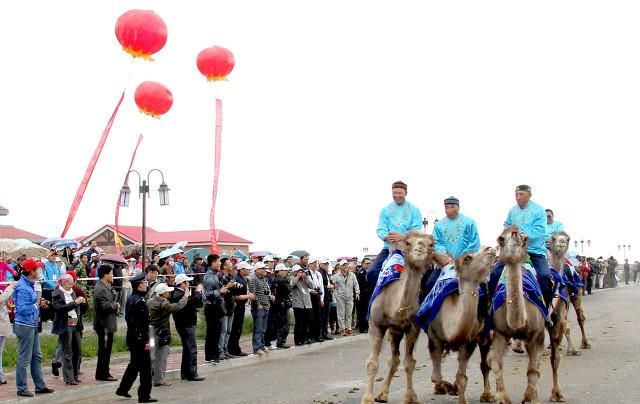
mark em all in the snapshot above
pixel 425 222
pixel 365 250
pixel 143 189
pixel 624 248
pixel 582 245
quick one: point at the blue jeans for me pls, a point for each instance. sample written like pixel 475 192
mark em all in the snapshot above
pixel 259 327
pixel 28 355
pixel 375 268
pixel 225 332
pixel 541 265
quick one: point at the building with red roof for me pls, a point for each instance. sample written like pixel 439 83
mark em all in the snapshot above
pixel 227 242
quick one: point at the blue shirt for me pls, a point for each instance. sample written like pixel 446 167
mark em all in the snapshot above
pixel 25 298
pixel 400 219
pixel 178 268
pixel 554 228
pixel 51 273
pixel 456 236
pixel 532 219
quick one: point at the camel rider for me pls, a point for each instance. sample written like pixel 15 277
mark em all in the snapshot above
pixel 396 220
pixel 454 235
pixel 530 218
pixel 553 227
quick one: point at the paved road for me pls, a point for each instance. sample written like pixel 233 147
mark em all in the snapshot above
pixel 608 373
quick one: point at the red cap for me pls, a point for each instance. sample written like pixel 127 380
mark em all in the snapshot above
pixel 179 256
pixel 73 275
pixel 29 265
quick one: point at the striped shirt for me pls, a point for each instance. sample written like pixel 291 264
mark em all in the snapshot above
pixel 260 288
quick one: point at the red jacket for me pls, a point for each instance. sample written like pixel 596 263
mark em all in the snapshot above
pixel 585 270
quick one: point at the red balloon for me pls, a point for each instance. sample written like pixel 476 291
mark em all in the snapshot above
pixel 153 98
pixel 215 63
pixel 141 33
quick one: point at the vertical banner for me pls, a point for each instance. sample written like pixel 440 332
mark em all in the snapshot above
pixel 89 171
pixel 216 176
pixel 116 238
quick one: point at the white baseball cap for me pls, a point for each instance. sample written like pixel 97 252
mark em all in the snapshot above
pixel 296 267
pixel 281 267
pixel 312 260
pixel 344 262
pixel 243 265
pixel 162 288
pixel 324 261
pixel 183 278
pixel 268 258
pixel 260 265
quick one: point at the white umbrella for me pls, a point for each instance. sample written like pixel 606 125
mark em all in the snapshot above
pixel 169 252
pixel 30 251
pixel 7 245
pixel 180 244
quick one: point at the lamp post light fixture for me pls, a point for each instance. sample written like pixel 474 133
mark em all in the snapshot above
pixel 365 250
pixel 425 223
pixel 582 245
pixel 143 190
pixel 624 248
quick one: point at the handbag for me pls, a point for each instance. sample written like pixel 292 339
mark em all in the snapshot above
pixel 164 337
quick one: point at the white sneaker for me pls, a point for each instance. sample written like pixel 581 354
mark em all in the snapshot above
pixel 266 351
pixel 260 353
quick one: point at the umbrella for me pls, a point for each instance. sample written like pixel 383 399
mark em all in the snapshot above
pixel 113 259
pixel 348 259
pixel 260 253
pixel 85 249
pixel 48 243
pixel 240 254
pixel 23 241
pixel 299 253
pixel 66 243
pixel 168 252
pixel 30 251
pixel 129 247
pixel 180 244
pixel 191 254
pixel 8 245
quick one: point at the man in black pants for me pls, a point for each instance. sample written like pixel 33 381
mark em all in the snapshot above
pixel 105 308
pixel 362 305
pixel 186 321
pixel 301 302
pixel 241 295
pixel 317 301
pixel 137 316
pixel 328 298
pixel 213 309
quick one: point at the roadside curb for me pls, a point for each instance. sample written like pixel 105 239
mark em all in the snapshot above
pixel 204 369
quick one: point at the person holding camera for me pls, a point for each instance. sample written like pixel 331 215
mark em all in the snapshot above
pixel 66 306
pixel 138 342
pixel 241 296
pixel 213 308
pixel 301 284
pixel 160 310
pixel 282 305
pixel 226 322
pixel 317 301
pixel 25 327
pixel 186 321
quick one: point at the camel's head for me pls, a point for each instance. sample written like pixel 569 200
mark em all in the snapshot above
pixel 417 249
pixel 513 245
pixel 560 244
pixel 476 267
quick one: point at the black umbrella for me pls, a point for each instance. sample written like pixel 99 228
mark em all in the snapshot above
pixel 299 253
pixel 113 259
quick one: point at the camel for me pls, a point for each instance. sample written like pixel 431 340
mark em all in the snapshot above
pixel 576 302
pixel 393 310
pixel 560 309
pixel 517 318
pixel 458 327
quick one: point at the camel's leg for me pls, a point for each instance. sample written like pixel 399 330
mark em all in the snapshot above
pixel 435 351
pixel 376 337
pixel 577 305
pixel 571 349
pixel 395 337
pixel 534 347
pixel 461 376
pixel 495 358
pixel 556 333
pixel 485 345
pixel 410 396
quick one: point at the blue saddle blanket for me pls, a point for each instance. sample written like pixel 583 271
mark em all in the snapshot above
pixel 530 287
pixel 560 284
pixel 573 278
pixel 446 284
pixel 391 271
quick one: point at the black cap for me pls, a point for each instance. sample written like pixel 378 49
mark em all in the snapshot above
pixel 137 278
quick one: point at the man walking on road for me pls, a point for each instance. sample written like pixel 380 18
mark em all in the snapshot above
pixel 104 320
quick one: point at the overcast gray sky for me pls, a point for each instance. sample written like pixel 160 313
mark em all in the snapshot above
pixel 329 103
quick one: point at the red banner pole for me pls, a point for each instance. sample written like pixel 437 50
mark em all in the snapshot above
pixel 216 176
pixel 89 171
